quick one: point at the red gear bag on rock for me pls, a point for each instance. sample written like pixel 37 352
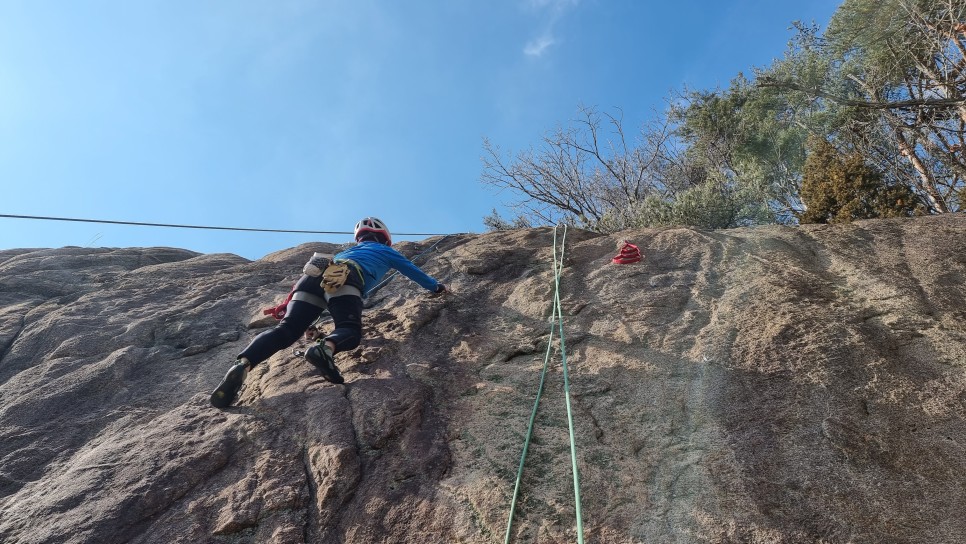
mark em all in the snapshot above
pixel 629 254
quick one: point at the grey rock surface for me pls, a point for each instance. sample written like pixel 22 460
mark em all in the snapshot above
pixel 768 384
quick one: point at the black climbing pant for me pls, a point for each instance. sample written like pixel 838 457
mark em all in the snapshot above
pixel 299 315
pixel 347 314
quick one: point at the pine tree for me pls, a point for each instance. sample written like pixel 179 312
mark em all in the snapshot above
pixel 839 188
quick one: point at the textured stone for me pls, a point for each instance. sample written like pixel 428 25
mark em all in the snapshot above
pixel 770 384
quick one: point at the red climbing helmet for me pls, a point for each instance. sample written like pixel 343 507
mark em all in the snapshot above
pixel 372 224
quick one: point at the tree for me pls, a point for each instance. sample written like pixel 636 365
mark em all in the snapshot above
pixel 843 188
pixel 495 221
pixel 747 137
pixel 591 175
pixel 894 75
pixel 583 172
pixel 885 85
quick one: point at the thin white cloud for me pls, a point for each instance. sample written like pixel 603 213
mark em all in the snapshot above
pixel 552 4
pixel 551 11
pixel 536 47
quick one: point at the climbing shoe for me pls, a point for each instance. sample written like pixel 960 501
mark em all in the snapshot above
pixel 321 358
pixel 227 390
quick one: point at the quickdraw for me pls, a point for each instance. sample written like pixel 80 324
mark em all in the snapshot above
pixel 278 312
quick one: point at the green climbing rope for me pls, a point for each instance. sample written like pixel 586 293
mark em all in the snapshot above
pixel 570 417
pixel 556 319
pixel 533 417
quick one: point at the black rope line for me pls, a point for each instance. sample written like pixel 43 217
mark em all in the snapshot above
pixel 169 225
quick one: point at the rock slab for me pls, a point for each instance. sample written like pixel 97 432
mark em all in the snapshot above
pixel 769 384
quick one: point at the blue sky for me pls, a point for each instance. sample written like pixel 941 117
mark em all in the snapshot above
pixel 309 115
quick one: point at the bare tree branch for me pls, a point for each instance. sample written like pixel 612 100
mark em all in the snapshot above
pixel 875 105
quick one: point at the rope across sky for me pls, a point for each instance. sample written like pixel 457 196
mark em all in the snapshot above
pixel 168 225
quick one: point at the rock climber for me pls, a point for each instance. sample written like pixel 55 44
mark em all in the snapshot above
pixel 338 285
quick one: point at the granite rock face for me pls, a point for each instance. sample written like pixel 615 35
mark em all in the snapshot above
pixel 770 384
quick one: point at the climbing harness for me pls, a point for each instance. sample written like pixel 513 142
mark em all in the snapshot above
pixel 337 273
pixel 629 253
pixel 556 320
pixel 334 276
pixel 314 300
pixel 278 312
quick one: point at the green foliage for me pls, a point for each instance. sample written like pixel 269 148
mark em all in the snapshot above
pixel 751 140
pixel 711 205
pixel 716 205
pixel 495 221
pixel 883 42
pixel 889 74
pixel 840 188
pixel 884 84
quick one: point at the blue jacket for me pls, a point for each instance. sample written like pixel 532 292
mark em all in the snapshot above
pixel 376 259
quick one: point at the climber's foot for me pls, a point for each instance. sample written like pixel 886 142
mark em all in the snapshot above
pixel 321 358
pixel 227 390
